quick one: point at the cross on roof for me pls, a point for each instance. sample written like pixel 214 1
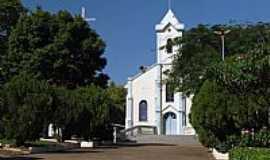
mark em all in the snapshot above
pixel 169 4
pixel 83 14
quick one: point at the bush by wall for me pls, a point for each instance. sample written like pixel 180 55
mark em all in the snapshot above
pixel 212 115
pixel 250 154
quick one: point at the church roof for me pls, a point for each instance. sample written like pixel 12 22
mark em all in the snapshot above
pixel 141 73
pixel 169 18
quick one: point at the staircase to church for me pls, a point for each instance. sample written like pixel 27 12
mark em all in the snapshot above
pixel 148 135
pixel 180 140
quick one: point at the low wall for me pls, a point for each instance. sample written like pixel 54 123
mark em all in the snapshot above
pixel 220 156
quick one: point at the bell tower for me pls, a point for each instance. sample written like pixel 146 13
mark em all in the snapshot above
pixel 166 31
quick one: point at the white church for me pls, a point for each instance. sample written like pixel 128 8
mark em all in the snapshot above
pixel 150 102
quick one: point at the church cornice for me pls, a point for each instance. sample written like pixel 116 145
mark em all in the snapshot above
pixel 162 28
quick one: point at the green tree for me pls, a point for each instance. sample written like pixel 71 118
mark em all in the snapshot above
pixel 27 102
pixel 247 77
pixel 65 112
pixel 117 95
pixel 200 49
pixel 81 112
pixel 59 48
pixel 2 111
pixel 235 95
pixel 89 111
pixel 213 115
pixel 10 11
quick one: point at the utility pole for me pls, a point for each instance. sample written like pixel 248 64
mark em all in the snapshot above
pixel 222 34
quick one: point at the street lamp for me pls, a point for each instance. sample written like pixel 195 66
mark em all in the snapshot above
pixel 222 34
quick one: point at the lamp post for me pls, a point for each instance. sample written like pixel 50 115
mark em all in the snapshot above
pixel 222 34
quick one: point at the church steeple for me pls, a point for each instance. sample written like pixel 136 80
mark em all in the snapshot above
pixel 167 30
pixel 169 18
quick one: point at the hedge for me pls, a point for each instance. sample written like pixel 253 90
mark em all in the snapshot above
pixel 250 154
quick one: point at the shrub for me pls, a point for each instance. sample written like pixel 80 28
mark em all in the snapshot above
pixel 219 120
pixel 212 115
pixel 256 139
pixel 250 154
pixel 29 105
pixel 27 102
pixel 81 112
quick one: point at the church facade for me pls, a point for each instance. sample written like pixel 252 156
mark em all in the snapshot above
pixel 150 100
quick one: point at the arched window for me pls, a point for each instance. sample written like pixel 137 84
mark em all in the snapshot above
pixel 143 111
pixel 169 46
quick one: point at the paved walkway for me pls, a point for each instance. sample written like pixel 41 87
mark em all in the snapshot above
pixel 143 152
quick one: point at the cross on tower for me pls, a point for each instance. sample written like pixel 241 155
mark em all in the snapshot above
pixel 169 4
pixel 83 15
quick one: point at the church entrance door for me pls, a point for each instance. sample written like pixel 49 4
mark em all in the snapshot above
pixel 170 123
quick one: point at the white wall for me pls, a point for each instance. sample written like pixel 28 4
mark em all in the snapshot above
pixel 144 88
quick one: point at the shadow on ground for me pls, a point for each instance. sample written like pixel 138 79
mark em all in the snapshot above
pixel 75 151
pixel 101 149
pixel 20 158
pixel 143 145
pixel 96 150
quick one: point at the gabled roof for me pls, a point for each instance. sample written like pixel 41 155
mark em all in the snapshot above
pixel 169 18
pixel 141 73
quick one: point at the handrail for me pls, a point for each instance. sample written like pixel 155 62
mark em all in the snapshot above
pixel 139 127
pixel 134 131
pixel 135 127
pixel 117 125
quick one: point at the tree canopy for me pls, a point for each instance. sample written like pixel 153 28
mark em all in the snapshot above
pixel 59 48
pixel 231 96
pixel 52 72
pixel 201 48
pixel 247 77
pixel 10 11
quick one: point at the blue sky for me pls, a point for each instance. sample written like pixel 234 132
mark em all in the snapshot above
pixel 127 26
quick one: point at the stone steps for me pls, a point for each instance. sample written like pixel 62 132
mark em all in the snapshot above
pixel 174 140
